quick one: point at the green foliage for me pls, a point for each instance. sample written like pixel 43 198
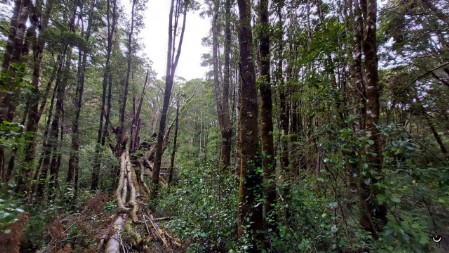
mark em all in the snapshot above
pixel 323 207
pixel 318 217
pixel 11 134
pixel 9 208
pixel 59 38
pixel 416 195
pixel 205 205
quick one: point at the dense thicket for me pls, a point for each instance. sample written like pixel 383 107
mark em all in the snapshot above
pixel 322 126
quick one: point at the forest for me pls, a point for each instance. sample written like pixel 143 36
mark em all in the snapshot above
pixel 320 126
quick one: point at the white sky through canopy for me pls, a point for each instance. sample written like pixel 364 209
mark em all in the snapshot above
pixel 155 38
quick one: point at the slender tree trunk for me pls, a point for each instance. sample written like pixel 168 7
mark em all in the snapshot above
pixel 238 88
pixel 122 135
pixel 283 100
pixel 57 130
pixel 8 106
pixel 430 123
pixel 358 84
pixel 73 170
pixel 34 111
pixel 216 66
pixel 222 91
pixel 43 165
pixel 172 63
pixel 74 159
pixel 13 50
pixel 135 126
pixel 175 143
pixel 106 94
pixel 57 125
pixel 266 118
pixel 30 41
pixel 373 214
pixel 284 110
pixel 13 26
pixel 250 216
pixel 13 155
pixel 226 132
pixel 435 134
pixel 294 138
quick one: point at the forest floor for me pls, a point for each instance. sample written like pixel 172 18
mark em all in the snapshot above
pixel 100 228
pixel 104 222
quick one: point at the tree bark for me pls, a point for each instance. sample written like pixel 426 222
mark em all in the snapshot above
pixel 13 26
pixel 13 50
pixel 13 53
pixel 44 160
pixel 34 111
pixel 175 140
pixel 135 126
pixel 173 54
pixel 373 214
pixel 222 91
pixel 250 216
pixel 217 86
pixel 266 118
pixel 283 94
pixel 106 95
pixel 73 170
pixel 122 139
pixel 57 130
pixel 227 125
pixel 357 81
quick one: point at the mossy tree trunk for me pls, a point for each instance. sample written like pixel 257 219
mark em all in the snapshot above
pixel 266 117
pixel 250 216
pixel 373 214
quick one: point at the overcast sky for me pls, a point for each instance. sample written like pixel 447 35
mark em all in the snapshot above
pixel 155 38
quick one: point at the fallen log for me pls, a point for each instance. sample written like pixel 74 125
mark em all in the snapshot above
pixel 114 242
pixel 127 194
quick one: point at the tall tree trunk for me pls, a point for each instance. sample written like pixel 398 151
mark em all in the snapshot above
pixel 224 112
pixel 34 111
pixel 227 136
pixel 73 170
pixel 13 54
pixel 57 130
pixel 373 214
pixel 250 216
pixel 173 54
pixel 238 96
pixel 13 26
pixel 357 81
pixel 57 125
pixel 175 143
pixel 106 94
pixel 43 165
pixel 135 126
pixel 13 50
pixel 266 118
pixel 283 100
pixel 122 134
pixel 216 70
pixel 222 91
pixel 73 160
